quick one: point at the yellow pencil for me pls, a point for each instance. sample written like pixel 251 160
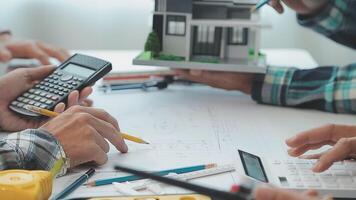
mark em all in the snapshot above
pixel 49 113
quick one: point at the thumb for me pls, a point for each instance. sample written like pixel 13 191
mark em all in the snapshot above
pixel 39 73
pixel 267 193
pixel 5 55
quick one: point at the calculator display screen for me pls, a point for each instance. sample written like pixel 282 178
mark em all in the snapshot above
pixel 78 70
pixel 253 166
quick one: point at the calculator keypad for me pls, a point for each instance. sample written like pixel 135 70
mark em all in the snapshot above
pixel 48 92
pixel 340 175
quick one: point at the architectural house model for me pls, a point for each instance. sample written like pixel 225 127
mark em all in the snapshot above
pixel 205 34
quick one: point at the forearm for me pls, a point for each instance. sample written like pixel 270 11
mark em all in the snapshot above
pixel 330 89
pixel 336 20
pixel 31 149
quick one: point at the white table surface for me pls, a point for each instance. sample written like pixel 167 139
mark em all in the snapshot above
pixel 235 119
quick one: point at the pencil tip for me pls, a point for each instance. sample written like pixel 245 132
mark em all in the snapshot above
pixel 146 142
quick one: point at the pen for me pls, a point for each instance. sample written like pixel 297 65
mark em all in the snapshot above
pixel 259 5
pixel 215 194
pixel 159 173
pixel 49 113
pixel 75 184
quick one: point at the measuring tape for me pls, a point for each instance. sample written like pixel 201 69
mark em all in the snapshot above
pixel 23 184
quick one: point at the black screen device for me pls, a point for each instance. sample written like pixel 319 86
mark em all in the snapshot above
pixel 76 73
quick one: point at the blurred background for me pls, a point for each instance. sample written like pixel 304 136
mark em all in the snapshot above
pixel 124 24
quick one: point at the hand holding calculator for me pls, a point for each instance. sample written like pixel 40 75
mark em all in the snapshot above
pixel 76 73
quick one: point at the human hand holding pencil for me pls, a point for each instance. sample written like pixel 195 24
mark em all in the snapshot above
pixel 81 131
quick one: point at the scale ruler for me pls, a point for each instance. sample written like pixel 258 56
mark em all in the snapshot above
pixel 143 184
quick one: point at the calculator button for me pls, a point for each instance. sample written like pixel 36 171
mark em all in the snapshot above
pixel 31 96
pixel 42 87
pixel 37 104
pixel 20 105
pixel 49 102
pixel 55 78
pixel 55 92
pixel 37 92
pixel 70 87
pixel 20 99
pixel 60 84
pixel 26 100
pixel 80 79
pixel 32 90
pixel 65 90
pixel 43 106
pixel 60 88
pixel 46 84
pixel 66 77
pixel 48 96
pixel 74 83
pixel 37 98
pixel 54 98
pixel 14 103
pixel 55 87
pixel 42 94
pixel 61 93
pixel 43 100
pixel 51 90
pixel 26 94
pixel 31 102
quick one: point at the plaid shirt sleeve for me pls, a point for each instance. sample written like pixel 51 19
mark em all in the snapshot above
pixel 337 21
pixel 331 89
pixel 30 149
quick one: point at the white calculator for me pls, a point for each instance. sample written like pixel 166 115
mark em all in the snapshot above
pixel 296 174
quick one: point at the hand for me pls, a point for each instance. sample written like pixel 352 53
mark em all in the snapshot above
pixel 17 82
pixel 82 132
pixel 305 7
pixel 224 80
pixel 31 49
pixel 266 193
pixel 342 138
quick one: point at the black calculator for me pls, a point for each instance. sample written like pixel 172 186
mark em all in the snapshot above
pixel 76 73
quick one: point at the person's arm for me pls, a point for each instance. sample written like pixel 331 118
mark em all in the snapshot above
pixel 336 20
pixel 331 89
pixel 32 149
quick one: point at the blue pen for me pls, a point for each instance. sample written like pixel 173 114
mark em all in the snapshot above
pixel 259 5
pixel 160 173
pixel 75 184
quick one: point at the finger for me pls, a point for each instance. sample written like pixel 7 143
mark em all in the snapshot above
pixel 5 55
pixel 312 156
pixel 73 99
pixel 276 4
pixel 39 73
pixel 87 103
pixel 109 132
pixel 295 152
pixel 267 193
pixel 331 133
pixel 100 141
pixel 342 149
pixel 84 93
pixel 312 136
pixel 35 52
pixel 53 51
pixel 312 193
pixel 98 113
pixel 60 108
pixel 100 157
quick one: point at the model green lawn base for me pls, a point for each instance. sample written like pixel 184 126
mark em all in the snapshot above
pixel 147 55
